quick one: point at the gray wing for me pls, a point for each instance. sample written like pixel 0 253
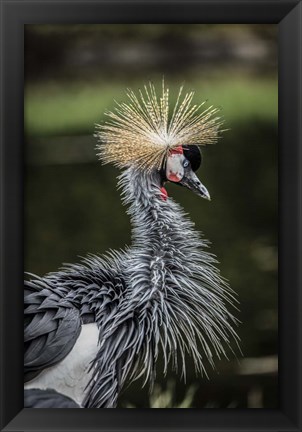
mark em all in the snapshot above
pixel 52 325
pixel 36 398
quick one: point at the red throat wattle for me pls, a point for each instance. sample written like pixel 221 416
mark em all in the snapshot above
pixel 164 193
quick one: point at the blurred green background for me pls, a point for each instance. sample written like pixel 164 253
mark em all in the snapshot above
pixel 73 73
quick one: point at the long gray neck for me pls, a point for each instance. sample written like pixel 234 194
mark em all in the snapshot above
pixel 172 280
pixel 164 241
pixel 156 222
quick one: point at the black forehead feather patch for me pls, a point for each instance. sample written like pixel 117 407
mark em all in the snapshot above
pixel 193 154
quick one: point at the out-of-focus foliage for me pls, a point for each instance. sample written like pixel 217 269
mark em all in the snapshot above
pixel 74 108
pixel 165 398
pixel 73 73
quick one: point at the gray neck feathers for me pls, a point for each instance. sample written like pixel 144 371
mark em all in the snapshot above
pixel 171 277
pixel 163 239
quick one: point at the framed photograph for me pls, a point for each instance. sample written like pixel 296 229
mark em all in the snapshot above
pixel 139 293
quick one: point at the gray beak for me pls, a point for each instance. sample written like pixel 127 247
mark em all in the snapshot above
pixel 192 182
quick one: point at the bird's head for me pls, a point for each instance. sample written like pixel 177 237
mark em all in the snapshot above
pixel 149 134
pixel 180 167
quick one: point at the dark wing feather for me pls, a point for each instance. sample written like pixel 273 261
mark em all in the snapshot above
pixel 51 326
pixel 36 398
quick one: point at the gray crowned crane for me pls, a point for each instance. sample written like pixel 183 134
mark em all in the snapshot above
pixel 93 327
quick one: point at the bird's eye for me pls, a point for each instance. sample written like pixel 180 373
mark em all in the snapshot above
pixel 186 163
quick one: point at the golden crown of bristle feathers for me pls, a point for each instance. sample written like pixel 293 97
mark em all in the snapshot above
pixel 142 132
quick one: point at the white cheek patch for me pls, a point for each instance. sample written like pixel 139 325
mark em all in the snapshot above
pixel 174 167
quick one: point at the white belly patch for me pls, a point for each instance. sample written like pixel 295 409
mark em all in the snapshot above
pixel 71 376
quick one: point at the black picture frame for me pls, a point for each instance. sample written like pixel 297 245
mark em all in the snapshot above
pixel 14 15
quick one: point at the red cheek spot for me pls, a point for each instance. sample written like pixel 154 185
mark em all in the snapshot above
pixel 173 177
pixel 164 194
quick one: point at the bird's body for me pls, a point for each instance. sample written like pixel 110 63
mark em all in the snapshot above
pixel 94 326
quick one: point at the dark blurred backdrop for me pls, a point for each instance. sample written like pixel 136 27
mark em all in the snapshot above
pixel 72 74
